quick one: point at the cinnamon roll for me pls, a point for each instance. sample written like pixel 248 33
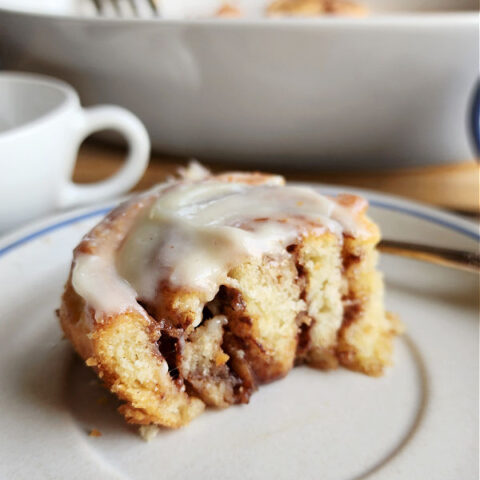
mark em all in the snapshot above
pixel 198 291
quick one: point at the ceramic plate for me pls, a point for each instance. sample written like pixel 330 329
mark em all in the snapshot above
pixel 418 421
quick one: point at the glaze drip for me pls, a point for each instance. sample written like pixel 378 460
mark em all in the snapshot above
pixel 198 229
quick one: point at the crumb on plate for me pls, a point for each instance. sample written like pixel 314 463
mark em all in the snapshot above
pixel 148 432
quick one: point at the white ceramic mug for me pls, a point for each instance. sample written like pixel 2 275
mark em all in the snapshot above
pixel 41 128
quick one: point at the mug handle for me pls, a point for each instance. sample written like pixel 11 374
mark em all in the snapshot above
pixel 103 117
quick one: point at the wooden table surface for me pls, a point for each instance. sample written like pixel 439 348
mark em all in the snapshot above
pixel 454 187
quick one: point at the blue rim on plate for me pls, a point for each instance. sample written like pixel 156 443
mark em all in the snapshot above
pixel 430 216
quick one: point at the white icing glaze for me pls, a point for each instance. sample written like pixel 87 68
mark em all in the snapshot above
pixel 196 231
pixel 96 280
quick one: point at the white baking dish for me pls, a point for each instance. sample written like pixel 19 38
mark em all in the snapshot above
pixel 387 90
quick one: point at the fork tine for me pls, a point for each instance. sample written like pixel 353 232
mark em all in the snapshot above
pixel 133 5
pixel 126 8
pixel 153 6
pixel 116 7
pixel 98 6
pixel 107 8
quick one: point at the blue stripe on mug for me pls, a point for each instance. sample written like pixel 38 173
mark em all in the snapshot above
pixel 475 119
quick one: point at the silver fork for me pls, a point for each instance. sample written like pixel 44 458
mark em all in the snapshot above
pixel 125 8
pixel 463 260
